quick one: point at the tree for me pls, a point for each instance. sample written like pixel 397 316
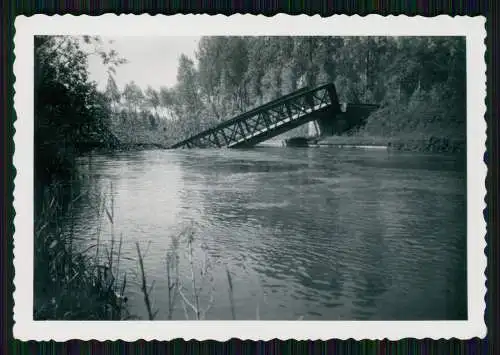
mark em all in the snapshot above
pixel 210 65
pixel 167 100
pixel 112 92
pixel 153 98
pixel 70 114
pixel 256 68
pixel 236 65
pixel 189 105
pixel 133 96
pixel 305 50
pixel 234 74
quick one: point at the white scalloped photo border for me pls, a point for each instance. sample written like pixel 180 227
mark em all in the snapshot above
pixel 473 28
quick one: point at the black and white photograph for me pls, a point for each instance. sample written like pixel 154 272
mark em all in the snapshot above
pixel 205 177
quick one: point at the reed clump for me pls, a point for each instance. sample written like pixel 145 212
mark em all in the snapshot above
pixel 82 280
pixel 75 280
pixel 194 291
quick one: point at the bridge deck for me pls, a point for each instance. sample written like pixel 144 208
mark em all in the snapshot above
pixel 268 120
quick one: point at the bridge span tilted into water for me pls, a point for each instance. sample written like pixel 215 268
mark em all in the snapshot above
pixel 281 115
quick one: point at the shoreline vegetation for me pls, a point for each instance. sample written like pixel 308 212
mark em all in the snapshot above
pixel 419 83
pixel 430 144
pixel 83 280
pixel 75 280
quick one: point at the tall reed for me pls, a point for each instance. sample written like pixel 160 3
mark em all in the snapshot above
pixel 196 300
pixel 146 291
pixel 70 281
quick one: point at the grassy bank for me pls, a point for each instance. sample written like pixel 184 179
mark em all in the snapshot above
pixel 74 280
pixel 434 144
pixel 427 121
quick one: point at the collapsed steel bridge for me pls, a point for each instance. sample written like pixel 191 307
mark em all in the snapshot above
pixel 270 119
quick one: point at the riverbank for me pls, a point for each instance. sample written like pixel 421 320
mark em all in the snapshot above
pixel 75 281
pixel 432 144
pixel 430 120
pixel 129 146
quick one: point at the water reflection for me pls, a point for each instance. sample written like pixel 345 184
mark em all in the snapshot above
pixel 319 233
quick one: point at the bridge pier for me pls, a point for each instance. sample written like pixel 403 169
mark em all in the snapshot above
pixel 313 129
pixel 334 123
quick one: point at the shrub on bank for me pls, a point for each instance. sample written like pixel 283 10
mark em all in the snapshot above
pixel 429 144
pixel 139 129
pixel 429 121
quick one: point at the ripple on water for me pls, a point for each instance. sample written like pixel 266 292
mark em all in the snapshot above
pixel 324 234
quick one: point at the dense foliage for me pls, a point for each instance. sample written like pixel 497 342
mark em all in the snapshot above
pixel 70 117
pixel 419 81
pixel 70 113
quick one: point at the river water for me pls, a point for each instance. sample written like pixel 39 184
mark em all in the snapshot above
pixel 318 233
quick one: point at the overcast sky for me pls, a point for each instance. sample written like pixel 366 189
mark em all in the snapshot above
pixel 152 60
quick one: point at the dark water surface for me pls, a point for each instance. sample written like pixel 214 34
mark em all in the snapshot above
pixel 321 233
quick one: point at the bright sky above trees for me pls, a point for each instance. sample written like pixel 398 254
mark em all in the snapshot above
pixel 151 60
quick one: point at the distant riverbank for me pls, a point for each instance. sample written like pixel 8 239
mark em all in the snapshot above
pixel 139 137
pixel 414 144
pixel 402 143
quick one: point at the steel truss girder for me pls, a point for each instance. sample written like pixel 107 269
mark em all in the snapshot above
pixel 267 120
